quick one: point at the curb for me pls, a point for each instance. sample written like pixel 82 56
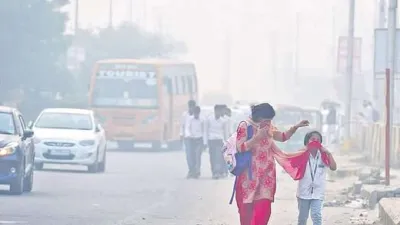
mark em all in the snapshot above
pixel 374 194
pixel 389 212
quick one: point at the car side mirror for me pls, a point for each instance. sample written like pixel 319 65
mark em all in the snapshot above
pixel 28 134
pixel 30 124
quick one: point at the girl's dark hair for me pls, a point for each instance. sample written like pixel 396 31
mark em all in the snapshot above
pixel 311 133
pixel 262 111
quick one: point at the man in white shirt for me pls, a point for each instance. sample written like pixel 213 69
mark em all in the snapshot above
pixel 311 188
pixel 195 140
pixel 215 132
pixel 184 121
pixel 184 128
pixel 227 115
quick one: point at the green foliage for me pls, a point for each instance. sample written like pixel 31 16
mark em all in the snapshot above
pixel 32 41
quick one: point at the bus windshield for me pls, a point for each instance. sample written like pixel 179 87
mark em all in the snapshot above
pixel 125 88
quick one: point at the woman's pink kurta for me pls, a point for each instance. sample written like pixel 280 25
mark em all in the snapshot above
pixel 263 184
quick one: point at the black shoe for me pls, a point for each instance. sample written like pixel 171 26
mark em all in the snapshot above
pixel 215 177
pixel 189 176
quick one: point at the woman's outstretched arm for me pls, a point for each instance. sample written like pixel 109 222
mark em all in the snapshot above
pixel 283 136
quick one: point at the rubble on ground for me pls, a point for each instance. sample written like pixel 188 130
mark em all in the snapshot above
pixel 370 176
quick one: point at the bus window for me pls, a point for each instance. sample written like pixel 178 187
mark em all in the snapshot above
pixel 179 85
pixel 194 80
pixel 190 84
pixel 167 83
pixel 174 80
pixel 184 85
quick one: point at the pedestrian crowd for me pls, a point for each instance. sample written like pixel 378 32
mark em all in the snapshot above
pixel 200 132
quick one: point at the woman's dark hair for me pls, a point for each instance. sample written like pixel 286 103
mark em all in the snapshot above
pixel 311 133
pixel 262 111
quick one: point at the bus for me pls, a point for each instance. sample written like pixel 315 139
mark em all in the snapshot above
pixel 140 102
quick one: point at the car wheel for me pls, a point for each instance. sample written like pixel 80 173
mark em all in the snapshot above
pixel 38 166
pixel 102 165
pixel 17 186
pixel 94 168
pixel 28 182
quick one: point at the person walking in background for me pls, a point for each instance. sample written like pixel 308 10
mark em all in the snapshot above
pixel 230 130
pixel 215 132
pixel 369 114
pixel 228 117
pixel 184 129
pixel 331 125
pixel 195 143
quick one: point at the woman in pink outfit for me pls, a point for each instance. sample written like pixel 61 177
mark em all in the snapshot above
pixel 254 196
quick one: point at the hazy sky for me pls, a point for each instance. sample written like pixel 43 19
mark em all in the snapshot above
pixel 250 25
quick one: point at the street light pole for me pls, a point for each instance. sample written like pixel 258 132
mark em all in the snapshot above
pixel 382 14
pixel 349 69
pixel 274 60
pixel 297 49
pixel 130 11
pixel 110 14
pixel 76 16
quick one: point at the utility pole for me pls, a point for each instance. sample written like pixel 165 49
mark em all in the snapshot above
pixel 76 16
pixel 130 11
pixel 297 49
pixel 334 41
pixel 110 14
pixel 382 14
pixel 391 71
pixel 349 69
pixel 274 60
pixel 144 3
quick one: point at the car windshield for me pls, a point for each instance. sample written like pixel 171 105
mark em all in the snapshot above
pixel 7 125
pixel 59 120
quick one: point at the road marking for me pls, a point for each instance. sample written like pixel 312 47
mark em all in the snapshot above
pixel 13 222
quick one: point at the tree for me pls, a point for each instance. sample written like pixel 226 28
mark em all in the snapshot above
pixel 32 41
pixel 125 41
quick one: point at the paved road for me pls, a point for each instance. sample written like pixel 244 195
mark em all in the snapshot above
pixel 139 189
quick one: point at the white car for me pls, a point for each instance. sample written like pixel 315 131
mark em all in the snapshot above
pixel 69 136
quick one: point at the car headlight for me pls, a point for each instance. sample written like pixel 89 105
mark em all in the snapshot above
pixel 8 149
pixel 87 142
